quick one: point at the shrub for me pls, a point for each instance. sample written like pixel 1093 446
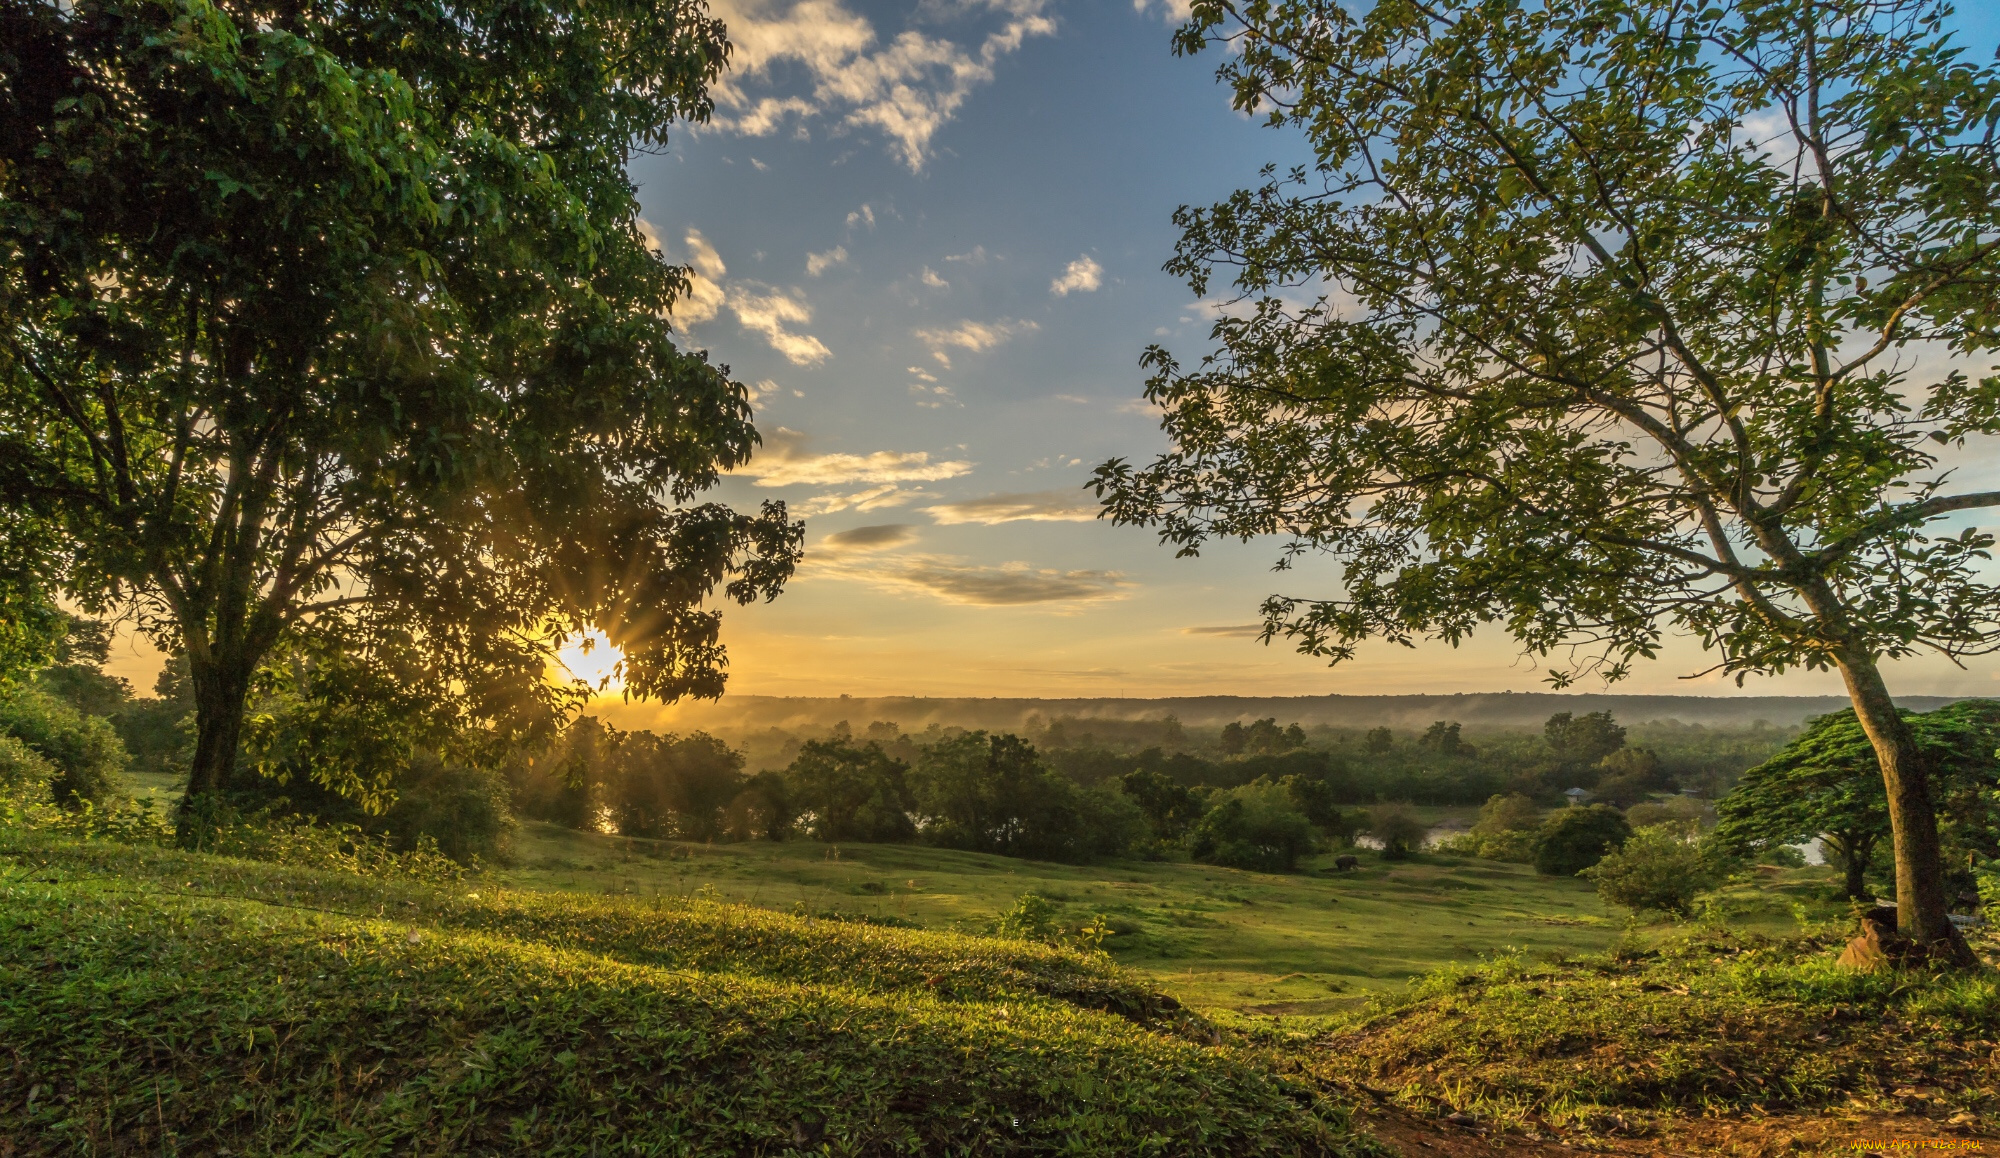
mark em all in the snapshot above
pixel 85 751
pixel 1573 839
pixel 1400 832
pixel 1674 808
pixel 1255 826
pixel 1660 868
pixel 461 808
pixel 1033 918
pixel 305 842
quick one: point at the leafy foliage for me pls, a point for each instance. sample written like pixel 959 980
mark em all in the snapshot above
pixel 1399 831
pixel 84 750
pixel 331 323
pixel 1253 827
pixel 1554 333
pixel 1573 839
pixel 1660 868
pixel 1827 783
pixel 853 792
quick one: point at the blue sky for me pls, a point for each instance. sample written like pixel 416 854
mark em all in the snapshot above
pixel 931 234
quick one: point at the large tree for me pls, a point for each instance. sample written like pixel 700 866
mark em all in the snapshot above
pixel 1603 319
pixel 334 318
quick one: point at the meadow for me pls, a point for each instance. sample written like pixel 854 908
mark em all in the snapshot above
pixel 1314 942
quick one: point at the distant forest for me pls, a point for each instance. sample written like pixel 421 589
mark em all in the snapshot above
pixel 1483 711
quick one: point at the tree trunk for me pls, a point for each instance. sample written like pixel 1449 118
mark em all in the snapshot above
pixel 1853 852
pixel 221 684
pixel 1922 909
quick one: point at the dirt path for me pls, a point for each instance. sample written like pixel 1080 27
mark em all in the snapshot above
pixel 1857 1135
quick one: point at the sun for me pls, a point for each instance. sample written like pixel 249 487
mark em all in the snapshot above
pixel 593 659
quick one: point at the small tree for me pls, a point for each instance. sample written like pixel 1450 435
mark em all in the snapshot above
pixel 1661 868
pixel 1827 784
pixel 1400 832
pixel 1254 827
pixel 1594 320
pixel 1573 839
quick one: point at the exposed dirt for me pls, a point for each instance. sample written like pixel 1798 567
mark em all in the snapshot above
pixel 1856 1135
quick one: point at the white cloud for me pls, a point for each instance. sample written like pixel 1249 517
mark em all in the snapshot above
pixel 976 337
pixel 783 461
pixel 1037 507
pixel 772 313
pixel 819 263
pixel 761 309
pixel 907 89
pixel 930 278
pixel 864 217
pixel 1175 11
pixel 705 296
pixel 974 256
pixel 1081 276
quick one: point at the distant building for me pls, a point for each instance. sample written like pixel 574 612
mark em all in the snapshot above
pixel 1577 796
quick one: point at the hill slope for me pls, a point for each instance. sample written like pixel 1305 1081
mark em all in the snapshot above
pixel 154 1001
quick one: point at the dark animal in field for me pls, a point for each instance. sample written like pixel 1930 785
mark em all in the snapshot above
pixel 1346 861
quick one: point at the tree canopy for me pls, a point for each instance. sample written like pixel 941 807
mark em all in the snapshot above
pixel 1826 783
pixel 336 320
pixel 1599 320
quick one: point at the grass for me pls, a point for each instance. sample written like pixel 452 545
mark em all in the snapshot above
pixel 1706 1022
pixel 1308 943
pixel 153 1001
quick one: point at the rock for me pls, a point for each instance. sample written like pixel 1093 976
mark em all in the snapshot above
pixel 1880 946
pixel 1866 953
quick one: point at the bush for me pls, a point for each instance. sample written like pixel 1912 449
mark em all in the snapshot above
pixel 1674 808
pixel 1660 868
pixel 1573 839
pixel 1400 832
pixel 85 751
pixel 1253 827
pixel 461 808
pixel 305 842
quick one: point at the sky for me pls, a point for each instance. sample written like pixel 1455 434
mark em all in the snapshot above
pixel 929 235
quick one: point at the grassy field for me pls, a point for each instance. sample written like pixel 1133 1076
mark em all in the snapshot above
pixel 1312 942
pixel 160 1002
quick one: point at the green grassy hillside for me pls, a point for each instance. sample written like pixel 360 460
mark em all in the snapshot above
pixel 1312 942
pixel 154 1002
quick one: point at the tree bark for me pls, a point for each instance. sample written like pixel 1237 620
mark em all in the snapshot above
pixel 1854 851
pixel 221 685
pixel 1922 909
